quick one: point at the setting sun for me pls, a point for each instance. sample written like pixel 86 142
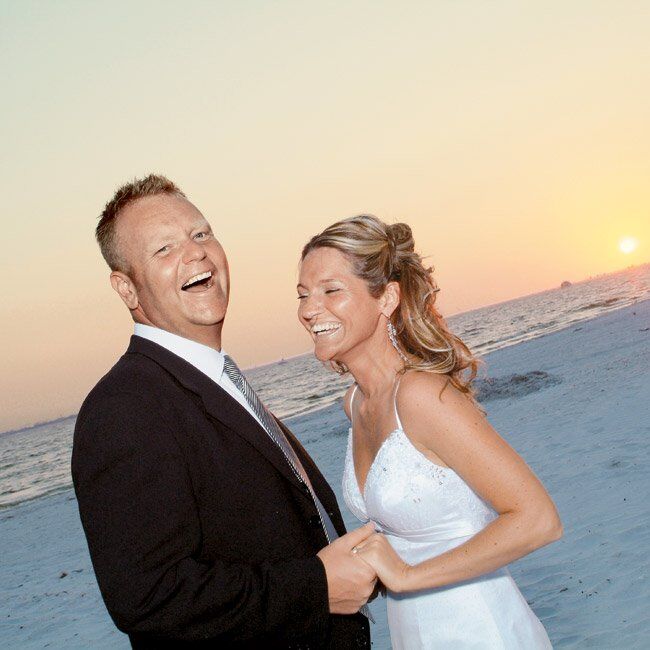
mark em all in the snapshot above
pixel 628 244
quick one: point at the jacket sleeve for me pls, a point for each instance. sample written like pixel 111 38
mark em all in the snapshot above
pixel 138 511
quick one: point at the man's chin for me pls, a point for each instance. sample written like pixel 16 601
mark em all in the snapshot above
pixel 208 323
pixel 207 317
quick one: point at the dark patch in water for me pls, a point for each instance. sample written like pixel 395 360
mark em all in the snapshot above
pixel 599 303
pixel 514 385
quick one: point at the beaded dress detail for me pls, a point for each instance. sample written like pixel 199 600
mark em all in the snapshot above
pixel 425 509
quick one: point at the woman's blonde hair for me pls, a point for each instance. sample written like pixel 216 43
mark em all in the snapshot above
pixel 382 253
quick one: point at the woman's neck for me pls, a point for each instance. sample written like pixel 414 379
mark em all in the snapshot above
pixel 374 369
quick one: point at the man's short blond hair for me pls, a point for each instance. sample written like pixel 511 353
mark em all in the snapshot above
pixel 106 234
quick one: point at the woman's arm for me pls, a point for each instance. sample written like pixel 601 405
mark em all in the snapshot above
pixel 451 428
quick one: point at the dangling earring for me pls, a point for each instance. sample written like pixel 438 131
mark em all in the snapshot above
pixel 392 335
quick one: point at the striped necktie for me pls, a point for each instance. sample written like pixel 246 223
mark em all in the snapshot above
pixel 276 434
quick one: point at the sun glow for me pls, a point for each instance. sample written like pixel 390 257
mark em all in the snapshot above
pixel 627 244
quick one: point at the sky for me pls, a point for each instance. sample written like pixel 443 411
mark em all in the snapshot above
pixel 513 137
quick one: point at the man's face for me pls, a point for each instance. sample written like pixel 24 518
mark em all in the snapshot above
pixel 177 277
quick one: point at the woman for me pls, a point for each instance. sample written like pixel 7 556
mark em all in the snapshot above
pixel 454 502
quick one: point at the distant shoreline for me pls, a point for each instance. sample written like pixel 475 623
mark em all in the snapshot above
pixel 29 427
pixel 539 293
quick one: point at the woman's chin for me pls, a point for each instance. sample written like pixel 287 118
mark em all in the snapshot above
pixel 323 354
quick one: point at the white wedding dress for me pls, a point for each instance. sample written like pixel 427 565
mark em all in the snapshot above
pixel 424 510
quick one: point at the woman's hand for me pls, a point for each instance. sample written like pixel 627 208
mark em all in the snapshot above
pixel 390 568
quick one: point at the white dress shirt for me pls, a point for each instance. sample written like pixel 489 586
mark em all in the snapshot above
pixel 208 360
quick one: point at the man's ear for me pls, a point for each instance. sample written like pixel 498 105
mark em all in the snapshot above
pixel 389 300
pixel 125 288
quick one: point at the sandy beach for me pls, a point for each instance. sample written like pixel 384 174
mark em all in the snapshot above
pixel 574 403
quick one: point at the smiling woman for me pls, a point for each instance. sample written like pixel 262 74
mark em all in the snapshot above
pixel 335 305
pixel 384 258
pixel 454 503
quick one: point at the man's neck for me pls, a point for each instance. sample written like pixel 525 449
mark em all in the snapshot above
pixel 211 338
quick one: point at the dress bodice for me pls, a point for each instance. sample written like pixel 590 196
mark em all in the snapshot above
pixel 409 496
pixel 424 510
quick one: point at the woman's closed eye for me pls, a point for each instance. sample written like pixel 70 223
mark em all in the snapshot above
pixel 302 296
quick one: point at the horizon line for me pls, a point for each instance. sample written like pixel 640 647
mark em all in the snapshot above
pixel 33 425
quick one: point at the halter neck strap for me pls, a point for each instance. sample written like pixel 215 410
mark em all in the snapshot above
pixel 397 420
pixel 354 392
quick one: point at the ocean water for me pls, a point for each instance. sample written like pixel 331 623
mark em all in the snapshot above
pixel 35 461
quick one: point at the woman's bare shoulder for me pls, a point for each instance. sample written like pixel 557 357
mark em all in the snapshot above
pixel 432 398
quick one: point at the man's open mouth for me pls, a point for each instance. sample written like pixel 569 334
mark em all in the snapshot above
pixel 199 282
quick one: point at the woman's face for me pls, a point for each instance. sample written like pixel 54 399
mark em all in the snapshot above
pixel 335 306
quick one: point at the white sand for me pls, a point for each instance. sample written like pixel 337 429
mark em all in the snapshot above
pixel 583 429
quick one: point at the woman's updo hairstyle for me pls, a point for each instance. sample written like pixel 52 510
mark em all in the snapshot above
pixel 380 253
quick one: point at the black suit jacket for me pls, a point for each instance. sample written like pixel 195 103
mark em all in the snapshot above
pixel 199 532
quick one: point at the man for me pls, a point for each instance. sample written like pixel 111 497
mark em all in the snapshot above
pixel 207 522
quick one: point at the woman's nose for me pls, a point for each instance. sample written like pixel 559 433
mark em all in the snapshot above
pixel 309 307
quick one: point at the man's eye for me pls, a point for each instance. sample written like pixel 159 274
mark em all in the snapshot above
pixel 164 249
pixel 331 290
pixel 201 235
pixel 302 297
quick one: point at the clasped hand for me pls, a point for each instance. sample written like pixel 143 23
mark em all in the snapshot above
pixel 354 562
pixel 389 567
pixel 350 581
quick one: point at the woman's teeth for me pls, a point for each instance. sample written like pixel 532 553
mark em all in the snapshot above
pixel 325 328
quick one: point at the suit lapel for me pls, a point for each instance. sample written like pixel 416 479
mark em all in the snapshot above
pixel 318 481
pixel 218 404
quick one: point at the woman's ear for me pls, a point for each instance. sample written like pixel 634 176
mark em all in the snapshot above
pixel 389 300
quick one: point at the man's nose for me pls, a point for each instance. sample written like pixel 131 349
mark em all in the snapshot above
pixel 193 251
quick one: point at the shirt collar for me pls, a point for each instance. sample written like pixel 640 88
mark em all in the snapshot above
pixel 206 359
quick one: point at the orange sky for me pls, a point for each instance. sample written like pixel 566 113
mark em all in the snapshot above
pixel 513 138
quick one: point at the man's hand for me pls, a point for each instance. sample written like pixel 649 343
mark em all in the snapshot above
pixel 350 580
